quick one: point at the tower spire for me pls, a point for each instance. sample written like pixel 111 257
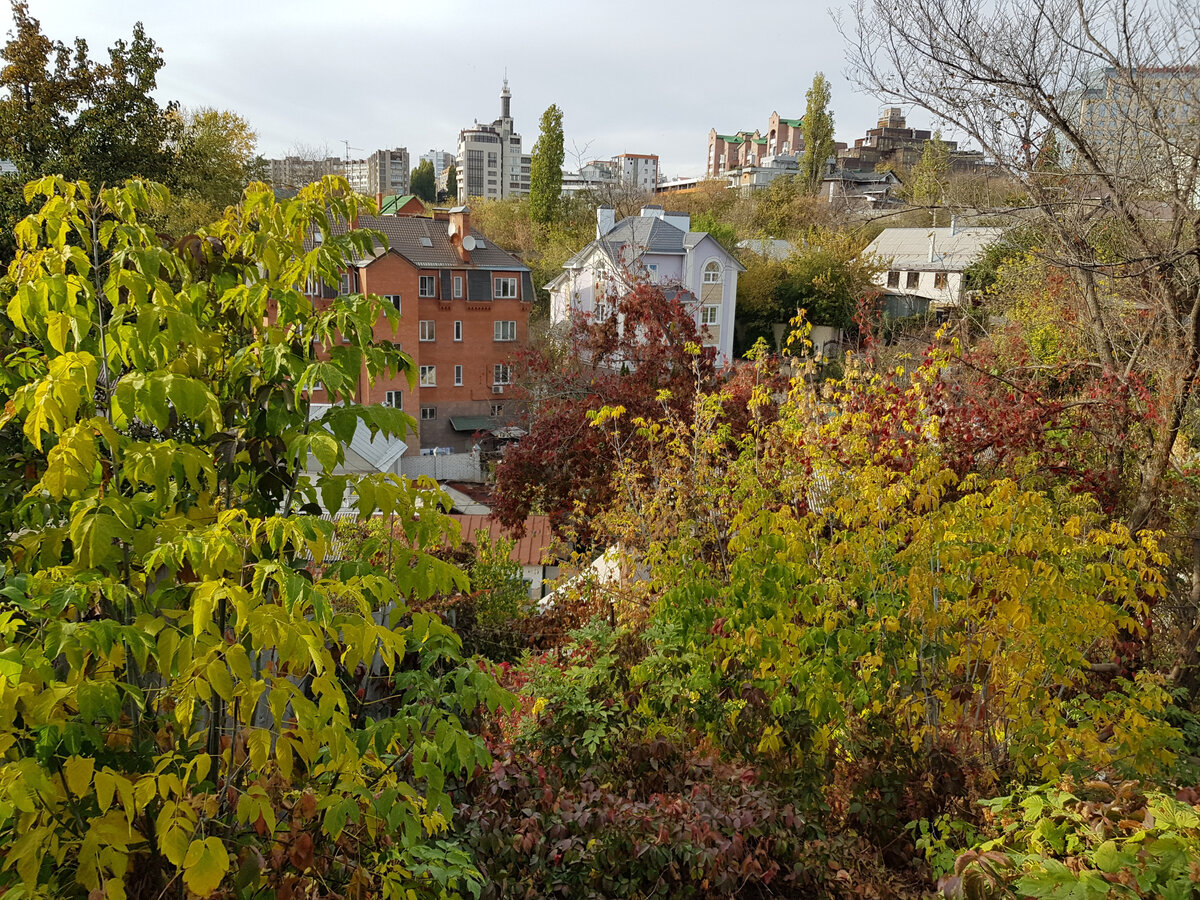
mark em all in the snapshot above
pixel 505 98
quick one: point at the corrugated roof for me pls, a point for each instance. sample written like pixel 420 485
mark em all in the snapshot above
pixel 393 202
pixel 909 248
pixel 471 424
pixel 531 550
pixel 404 235
pixel 379 452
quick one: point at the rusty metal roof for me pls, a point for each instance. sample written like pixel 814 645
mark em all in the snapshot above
pixel 531 550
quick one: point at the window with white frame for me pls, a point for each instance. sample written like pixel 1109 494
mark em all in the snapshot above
pixel 428 376
pixel 652 271
pixel 497 410
pixel 458 287
pixel 457 330
pixel 505 288
pixel 393 299
pixel 427 331
pixel 712 272
pixel 709 315
pixel 428 412
pixel 394 399
pixel 501 374
pixel 505 330
pixel 458 376
pixel 345 283
pixel 427 286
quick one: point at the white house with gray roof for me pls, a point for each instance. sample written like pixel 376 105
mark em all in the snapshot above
pixel 660 246
pixel 926 265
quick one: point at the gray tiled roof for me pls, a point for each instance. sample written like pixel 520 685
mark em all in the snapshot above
pixel 649 235
pixel 404 235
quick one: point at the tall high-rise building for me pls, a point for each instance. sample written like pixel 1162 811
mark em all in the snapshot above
pixel 491 163
pixel 1142 122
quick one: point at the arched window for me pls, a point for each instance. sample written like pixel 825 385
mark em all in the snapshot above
pixel 712 272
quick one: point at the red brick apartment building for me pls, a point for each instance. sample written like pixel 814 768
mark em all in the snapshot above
pixel 464 309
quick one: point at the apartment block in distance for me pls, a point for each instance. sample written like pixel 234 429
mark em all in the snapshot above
pixel 634 172
pixel 383 172
pixel 726 152
pixel 1143 122
pixel 464 310
pixel 892 144
pixel 491 163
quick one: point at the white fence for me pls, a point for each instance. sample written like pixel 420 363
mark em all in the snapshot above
pixel 451 467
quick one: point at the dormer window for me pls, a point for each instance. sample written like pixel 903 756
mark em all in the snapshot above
pixel 712 272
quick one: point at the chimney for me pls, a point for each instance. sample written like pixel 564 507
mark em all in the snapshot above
pixel 379 202
pixel 953 225
pixel 606 220
pixel 458 229
pixel 680 220
pixel 931 246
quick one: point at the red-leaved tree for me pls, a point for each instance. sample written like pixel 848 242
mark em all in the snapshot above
pixel 645 355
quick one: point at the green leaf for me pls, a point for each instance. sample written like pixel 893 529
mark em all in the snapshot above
pixel 326 450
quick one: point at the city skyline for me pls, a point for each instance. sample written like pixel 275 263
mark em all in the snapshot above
pixel 415 76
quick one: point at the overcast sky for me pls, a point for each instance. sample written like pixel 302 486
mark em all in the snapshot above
pixel 643 77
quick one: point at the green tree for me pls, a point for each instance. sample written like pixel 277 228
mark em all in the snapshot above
pixel 424 182
pixel 452 181
pixel 187 682
pixel 121 131
pixel 930 175
pixel 215 160
pixel 61 112
pixel 818 132
pixel 545 173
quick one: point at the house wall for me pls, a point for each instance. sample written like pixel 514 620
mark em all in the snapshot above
pixel 478 351
pixel 724 293
pixel 948 296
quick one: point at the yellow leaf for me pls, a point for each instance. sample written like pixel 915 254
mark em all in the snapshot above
pixel 220 679
pixel 106 785
pixel 78 772
pixel 259 744
pixel 205 866
pixel 174 843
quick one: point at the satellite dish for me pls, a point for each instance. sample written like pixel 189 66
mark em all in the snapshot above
pixel 468 243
